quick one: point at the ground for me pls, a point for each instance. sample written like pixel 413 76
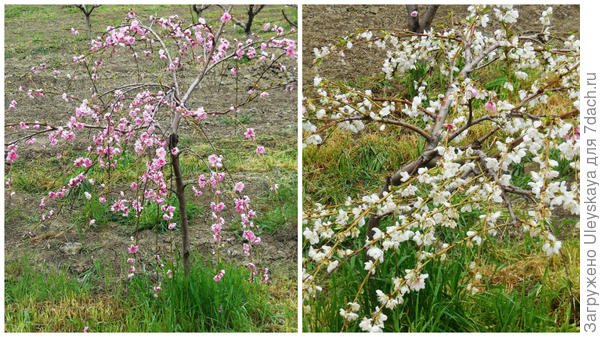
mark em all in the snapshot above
pixel 323 24
pixel 40 34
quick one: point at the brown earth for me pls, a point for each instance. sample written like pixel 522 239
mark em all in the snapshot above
pixel 325 24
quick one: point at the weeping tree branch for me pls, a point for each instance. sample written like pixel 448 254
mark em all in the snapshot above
pixel 290 22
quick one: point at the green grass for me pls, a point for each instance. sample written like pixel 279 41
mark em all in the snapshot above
pixel 353 164
pixel 43 300
pixel 279 208
pixel 540 302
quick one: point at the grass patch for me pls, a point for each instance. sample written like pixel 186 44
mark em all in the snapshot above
pixel 59 301
pixel 280 207
pixel 352 165
pixel 538 301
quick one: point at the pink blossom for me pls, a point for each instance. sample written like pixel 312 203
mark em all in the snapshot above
pixel 175 151
pixel 474 92
pixel 131 260
pixel 102 199
pixel 78 58
pixel 169 273
pixel 575 134
pixel 217 208
pixel 274 187
pixel 196 191
pixel 202 181
pixel 86 329
pixel 132 249
pixel 266 26
pixel 219 276
pixel 266 276
pixel 172 226
pixel 234 71
pixel 264 94
pixel 260 149
pixel 490 106
pixel 12 105
pixel 250 134
pixel 449 126
pixel 246 249
pixel 290 51
pixel 226 17
pixel 87 195
pixel 133 186
pixel 239 187
pixel 251 237
pixel 92 222
pixel 414 14
pixel 83 162
pixel 74 31
pixel 251 53
pixel 215 161
pixel 162 54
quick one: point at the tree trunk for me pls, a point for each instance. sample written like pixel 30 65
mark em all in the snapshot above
pixel 88 24
pixel 251 14
pixel 180 193
pixel 422 21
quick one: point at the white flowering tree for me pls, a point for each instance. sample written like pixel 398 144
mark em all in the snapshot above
pixel 473 138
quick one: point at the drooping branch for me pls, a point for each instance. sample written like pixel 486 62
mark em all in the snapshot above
pixel 285 17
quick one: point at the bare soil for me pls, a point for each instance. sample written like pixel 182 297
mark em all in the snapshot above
pixel 325 24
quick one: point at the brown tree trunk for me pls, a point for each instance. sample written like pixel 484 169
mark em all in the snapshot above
pixel 88 24
pixel 422 21
pixel 252 12
pixel 180 193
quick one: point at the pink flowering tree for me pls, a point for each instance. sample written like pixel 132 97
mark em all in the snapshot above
pixel 473 137
pixel 171 68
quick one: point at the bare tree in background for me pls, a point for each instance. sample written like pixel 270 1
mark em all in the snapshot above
pixel 87 11
pixel 198 9
pixel 420 23
pixel 252 12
